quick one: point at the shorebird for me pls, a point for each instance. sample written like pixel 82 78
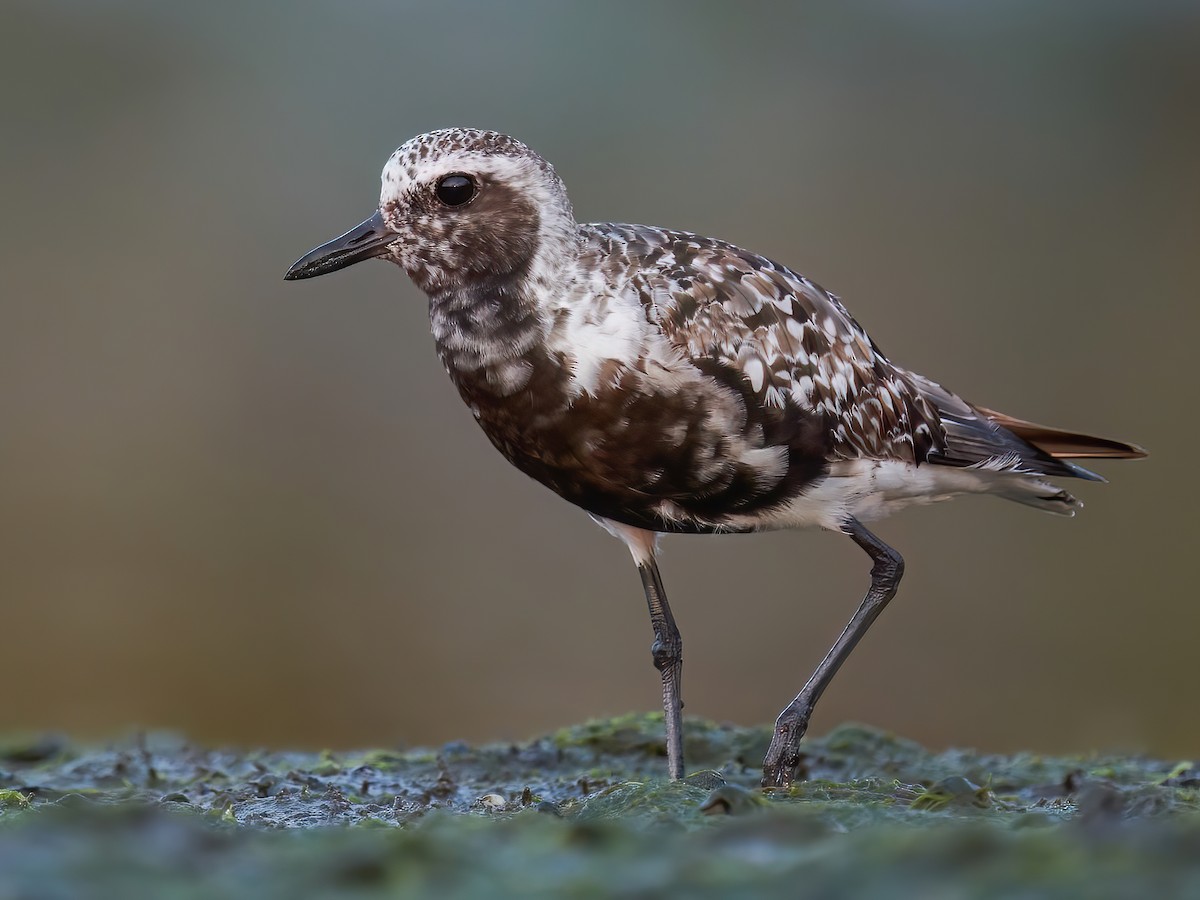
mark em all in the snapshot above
pixel 667 383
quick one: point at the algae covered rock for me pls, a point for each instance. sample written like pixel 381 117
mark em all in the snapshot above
pixel 587 811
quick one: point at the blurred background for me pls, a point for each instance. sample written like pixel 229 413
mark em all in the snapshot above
pixel 258 512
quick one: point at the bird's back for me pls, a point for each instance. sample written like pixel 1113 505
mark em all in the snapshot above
pixel 791 352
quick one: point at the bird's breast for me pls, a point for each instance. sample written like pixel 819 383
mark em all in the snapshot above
pixel 627 439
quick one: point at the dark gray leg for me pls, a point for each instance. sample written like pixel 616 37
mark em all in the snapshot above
pixel 667 651
pixel 783 756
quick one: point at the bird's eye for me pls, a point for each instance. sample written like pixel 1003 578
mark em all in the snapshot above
pixel 456 190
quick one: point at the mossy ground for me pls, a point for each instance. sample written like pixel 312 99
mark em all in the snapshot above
pixel 586 811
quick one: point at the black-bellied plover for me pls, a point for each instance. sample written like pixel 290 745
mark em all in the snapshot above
pixel 667 383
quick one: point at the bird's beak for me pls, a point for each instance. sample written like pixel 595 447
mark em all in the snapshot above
pixel 365 241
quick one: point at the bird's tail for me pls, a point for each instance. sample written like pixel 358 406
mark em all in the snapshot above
pixel 1065 444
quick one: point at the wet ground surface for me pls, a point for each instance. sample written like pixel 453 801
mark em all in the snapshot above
pixel 587 811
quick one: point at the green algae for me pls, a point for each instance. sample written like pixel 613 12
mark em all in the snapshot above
pixel 13 800
pixel 586 810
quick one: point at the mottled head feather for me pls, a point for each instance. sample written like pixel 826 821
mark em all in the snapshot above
pixel 520 217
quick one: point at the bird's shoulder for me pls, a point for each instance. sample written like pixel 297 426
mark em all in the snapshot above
pixel 787 338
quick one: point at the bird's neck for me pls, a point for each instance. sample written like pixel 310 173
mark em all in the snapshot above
pixel 484 323
pixel 492 333
pixel 492 339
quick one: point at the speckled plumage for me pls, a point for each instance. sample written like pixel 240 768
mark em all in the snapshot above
pixel 667 382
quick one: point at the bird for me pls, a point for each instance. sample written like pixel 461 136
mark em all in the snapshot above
pixel 670 383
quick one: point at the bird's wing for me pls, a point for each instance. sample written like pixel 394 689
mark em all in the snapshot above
pixel 790 339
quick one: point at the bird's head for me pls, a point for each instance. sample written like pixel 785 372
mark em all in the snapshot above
pixel 458 207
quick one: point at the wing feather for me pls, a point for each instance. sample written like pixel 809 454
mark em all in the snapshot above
pixel 789 338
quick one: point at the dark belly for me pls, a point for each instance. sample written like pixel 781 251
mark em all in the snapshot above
pixel 686 459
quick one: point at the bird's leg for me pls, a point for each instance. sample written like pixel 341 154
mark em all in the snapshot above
pixel 667 651
pixel 783 756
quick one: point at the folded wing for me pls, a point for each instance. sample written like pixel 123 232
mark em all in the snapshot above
pixel 789 339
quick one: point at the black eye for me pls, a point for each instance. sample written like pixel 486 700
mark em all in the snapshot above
pixel 455 190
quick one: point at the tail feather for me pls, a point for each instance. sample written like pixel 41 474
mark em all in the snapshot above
pixel 1062 444
pixel 1039 494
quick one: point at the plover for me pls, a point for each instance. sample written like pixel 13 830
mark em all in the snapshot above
pixel 668 383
